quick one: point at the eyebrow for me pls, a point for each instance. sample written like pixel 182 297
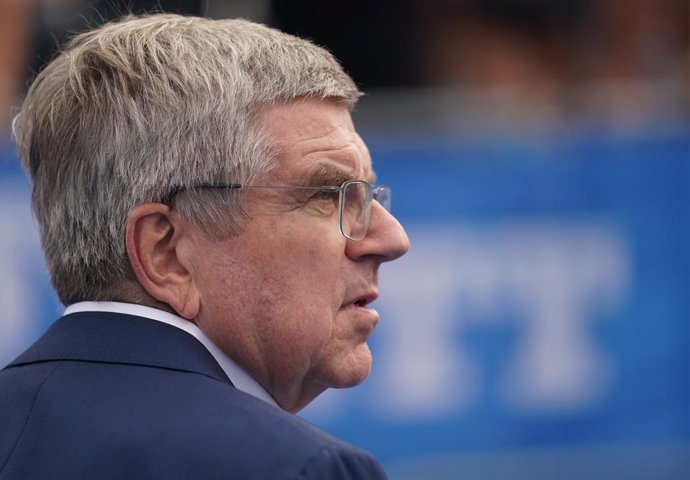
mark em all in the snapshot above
pixel 330 175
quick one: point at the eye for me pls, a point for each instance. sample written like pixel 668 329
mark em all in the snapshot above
pixel 324 201
pixel 325 195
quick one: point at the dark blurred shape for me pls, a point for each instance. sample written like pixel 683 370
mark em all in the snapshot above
pixel 379 43
pixel 508 62
pixel 502 41
pixel 643 38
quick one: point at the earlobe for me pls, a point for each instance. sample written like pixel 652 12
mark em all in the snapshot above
pixel 153 239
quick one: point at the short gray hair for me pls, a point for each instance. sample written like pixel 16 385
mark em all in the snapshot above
pixel 135 108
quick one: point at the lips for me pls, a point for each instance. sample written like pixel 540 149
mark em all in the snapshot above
pixel 362 299
pixel 360 316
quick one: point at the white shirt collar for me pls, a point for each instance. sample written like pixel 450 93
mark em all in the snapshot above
pixel 241 379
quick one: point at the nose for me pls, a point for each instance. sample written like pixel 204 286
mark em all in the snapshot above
pixel 386 238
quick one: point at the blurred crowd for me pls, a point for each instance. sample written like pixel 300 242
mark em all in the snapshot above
pixel 626 60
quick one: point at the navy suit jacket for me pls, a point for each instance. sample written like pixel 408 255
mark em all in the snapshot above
pixel 113 396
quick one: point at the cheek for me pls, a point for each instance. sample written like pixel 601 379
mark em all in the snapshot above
pixel 305 266
pixel 302 292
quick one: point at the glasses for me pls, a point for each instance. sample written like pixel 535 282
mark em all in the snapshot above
pixel 354 201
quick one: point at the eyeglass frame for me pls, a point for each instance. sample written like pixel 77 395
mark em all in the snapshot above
pixel 374 192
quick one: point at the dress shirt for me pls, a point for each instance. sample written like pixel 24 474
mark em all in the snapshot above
pixel 239 378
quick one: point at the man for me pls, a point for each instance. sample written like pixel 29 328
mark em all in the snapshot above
pixel 207 216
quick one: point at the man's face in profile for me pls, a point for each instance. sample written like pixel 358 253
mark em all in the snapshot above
pixel 288 297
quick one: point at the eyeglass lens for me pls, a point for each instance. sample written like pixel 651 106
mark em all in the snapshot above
pixel 356 207
pixel 354 218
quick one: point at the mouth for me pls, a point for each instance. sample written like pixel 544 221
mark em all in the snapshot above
pixel 362 300
pixel 358 308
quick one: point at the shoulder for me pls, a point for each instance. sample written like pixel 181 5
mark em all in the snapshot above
pixel 266 442
pixel 174 424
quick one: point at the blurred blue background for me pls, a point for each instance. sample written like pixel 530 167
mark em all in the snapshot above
pixel 539 157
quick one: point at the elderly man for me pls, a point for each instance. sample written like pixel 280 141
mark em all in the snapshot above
pixel 207 214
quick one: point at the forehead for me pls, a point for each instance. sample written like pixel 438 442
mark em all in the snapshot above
pixel 316 137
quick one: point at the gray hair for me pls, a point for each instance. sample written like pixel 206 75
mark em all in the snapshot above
pixel 133 109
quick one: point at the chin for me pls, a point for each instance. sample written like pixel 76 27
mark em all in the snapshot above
pixel 354 381
pixel 355 371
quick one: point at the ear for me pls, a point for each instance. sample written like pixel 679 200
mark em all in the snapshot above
pixel 156 242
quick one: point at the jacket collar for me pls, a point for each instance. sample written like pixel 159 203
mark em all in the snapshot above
pixel 118 338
